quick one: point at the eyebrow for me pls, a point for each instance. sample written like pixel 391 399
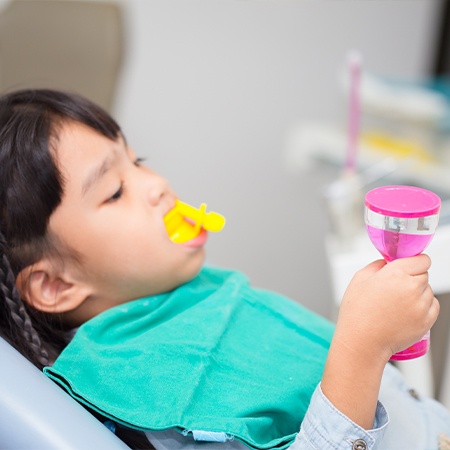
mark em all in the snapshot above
pixel 95 175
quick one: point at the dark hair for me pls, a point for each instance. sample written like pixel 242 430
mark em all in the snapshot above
pixel 31 188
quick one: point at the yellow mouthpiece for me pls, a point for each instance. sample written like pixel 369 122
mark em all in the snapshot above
pixel 184 222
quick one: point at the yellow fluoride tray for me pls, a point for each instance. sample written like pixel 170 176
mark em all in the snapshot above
pixel 184 222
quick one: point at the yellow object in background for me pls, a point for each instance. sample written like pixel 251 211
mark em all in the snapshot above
pixel 398 148
pixel 184 222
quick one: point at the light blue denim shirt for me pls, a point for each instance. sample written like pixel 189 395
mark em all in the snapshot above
pixel 325 427
pixel 403 421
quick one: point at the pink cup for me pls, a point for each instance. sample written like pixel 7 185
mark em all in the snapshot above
pixel 401 222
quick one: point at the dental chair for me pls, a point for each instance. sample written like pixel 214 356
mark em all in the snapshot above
pixel 70 45
pixel 76 46
pixel 36 414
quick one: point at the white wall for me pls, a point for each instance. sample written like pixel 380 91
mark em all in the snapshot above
pixel 210 90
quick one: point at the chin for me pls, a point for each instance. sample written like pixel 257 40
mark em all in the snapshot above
pixel 195 269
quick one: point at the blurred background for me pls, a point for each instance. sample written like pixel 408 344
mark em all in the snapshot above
pixel 243 104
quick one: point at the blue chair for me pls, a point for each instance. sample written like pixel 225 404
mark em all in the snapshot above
pixel 36 414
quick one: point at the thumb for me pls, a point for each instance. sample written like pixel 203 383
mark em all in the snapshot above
pixel 373 267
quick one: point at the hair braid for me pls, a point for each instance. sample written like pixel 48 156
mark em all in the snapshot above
pixel 21 325
pixel 31 188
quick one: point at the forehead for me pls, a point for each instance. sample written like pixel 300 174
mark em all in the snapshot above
pixel 81 153
pixel 78 147
pixel 76 140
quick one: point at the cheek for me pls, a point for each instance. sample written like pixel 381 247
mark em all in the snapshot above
pixel 93 244
pixel 134 242
pixel 126 239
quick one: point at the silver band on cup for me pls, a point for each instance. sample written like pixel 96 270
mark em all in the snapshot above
pixel 409 225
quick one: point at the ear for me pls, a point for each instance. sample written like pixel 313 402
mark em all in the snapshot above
pixel 50 288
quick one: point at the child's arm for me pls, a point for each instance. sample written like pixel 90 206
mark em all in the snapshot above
pixel 386 308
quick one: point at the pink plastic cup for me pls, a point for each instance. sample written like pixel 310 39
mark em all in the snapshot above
pixel 401 222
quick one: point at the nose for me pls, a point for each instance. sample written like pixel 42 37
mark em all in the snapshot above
pixel 157 188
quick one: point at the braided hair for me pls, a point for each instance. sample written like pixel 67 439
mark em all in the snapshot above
pixel 31 188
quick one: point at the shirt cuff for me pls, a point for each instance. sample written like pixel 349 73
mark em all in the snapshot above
pixel 324 426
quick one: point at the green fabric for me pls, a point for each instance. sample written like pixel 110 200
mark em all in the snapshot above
pixel 214 354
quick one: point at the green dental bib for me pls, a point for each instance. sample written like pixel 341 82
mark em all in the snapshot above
pixel 214 355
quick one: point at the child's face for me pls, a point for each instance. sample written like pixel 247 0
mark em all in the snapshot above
pixel 112 215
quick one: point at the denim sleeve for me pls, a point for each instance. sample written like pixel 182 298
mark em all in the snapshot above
pixel 324 426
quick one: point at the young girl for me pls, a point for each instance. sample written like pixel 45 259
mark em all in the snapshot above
pixel 186 351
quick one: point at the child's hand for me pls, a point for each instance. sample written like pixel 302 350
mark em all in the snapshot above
pixel 387 307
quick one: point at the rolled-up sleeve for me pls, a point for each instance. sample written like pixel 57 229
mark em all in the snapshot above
pixel 324 426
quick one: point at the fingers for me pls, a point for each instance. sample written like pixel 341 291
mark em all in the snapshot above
pixel 422 279
pixel 414 265
pixel 433 309
pixel 429 311
pixel 374 266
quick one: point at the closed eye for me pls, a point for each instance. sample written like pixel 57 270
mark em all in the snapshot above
pixel 138 161
pixel 116 194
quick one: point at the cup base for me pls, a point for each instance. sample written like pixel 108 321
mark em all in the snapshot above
pixel 415 351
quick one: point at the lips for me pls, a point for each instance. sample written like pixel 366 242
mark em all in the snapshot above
pixel 198 241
